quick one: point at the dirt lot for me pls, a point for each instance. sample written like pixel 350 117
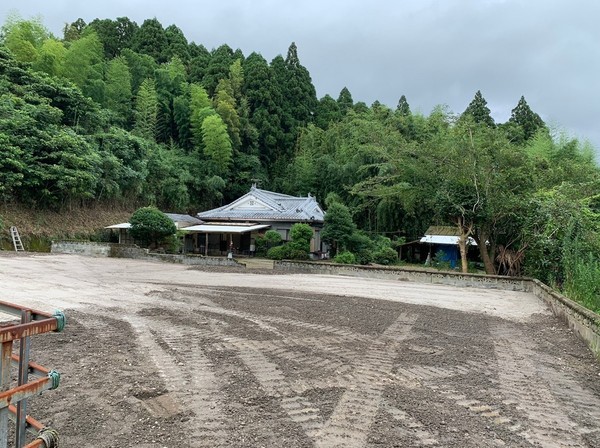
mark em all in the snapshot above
pixel 160 355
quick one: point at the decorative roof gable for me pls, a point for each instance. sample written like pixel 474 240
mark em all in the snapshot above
pixel 266 205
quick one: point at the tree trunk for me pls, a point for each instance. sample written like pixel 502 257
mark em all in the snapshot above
pixel 488 263
pixel 462 245
pixel 464 233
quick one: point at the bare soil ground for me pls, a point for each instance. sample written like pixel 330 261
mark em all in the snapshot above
pixel 160 355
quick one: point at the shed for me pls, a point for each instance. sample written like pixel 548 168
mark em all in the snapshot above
pixel 445 239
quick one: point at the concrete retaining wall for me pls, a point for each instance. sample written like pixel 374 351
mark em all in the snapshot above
pixel 81 248
pixel 414 275
pixel 132 251
pixel 581 320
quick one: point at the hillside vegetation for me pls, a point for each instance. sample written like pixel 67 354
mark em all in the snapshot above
pixel 119 115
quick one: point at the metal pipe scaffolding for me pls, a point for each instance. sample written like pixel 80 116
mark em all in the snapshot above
pixel 13 400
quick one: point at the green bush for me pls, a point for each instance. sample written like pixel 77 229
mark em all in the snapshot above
pixel 362 247
pixel 296 254
pixel 345 258
pixel 277 253
pixel 273 238
pixel 260 244
pixel 174 243
pixel 301 235
pixel 150 226
pixel 583 282
pixel 385 256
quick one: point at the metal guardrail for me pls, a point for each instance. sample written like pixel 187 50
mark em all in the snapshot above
pixel 13 400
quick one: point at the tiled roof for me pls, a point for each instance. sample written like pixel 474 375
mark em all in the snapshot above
pixel 176 217
pixel 263 205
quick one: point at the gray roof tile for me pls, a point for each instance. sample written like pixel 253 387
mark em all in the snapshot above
pixel 269 206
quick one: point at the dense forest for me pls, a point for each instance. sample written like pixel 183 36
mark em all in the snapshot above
pixel 114 112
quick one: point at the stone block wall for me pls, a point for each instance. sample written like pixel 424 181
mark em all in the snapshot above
pixel 414 275
pixel 81 248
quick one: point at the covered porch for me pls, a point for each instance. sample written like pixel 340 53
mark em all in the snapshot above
pixel 221 238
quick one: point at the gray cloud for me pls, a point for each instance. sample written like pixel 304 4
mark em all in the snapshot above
pixel 432 51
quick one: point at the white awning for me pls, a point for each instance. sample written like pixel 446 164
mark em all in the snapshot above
pixel 445 239
pixel 123 225
pixel 215 228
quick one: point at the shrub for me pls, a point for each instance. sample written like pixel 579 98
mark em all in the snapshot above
pixel 296 254
pixel 260 246
pixel 345 258
pixel 277 253
pixel 301 235
pixel 273 238
pixel 385 256
pixel 174 243
pixel 362 247
pixel 149 225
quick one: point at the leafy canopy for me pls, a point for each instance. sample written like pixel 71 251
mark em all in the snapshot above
pixel 149 225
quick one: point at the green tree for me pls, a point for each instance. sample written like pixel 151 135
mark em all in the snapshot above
pixel 218 67
pixel 115 35
pixel 200 109
pixel 146 109
pixel 345 101
pixel 403 108
pixel 338 227
pixel 51 57
pixel 478 110
pixel 177 44
pixel 82 58
pixel 264 99
pixel 523 123
pixel 74 30
pixel 301 234
pixel 217 145
pixel 225 106
pixel 24 38
pixel 328 110
pixel 149 225
pixel 150 38
pixel 141 67
pixel 170 83
pixel 199 60
pixel 117 96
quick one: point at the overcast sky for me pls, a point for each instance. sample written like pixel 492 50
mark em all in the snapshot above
pixel 432 51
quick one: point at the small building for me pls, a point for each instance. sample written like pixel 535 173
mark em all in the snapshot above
pixel 181 222
pixel 237 224
pixel 444 239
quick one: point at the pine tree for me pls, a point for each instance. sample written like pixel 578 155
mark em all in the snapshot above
pixel 403 108
pixel 526 121
pixel 478 110
pixel 264 99
pixel 345 101
pixel 177 44
pixel 150 39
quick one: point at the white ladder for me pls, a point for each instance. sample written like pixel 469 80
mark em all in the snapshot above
pixel 16 239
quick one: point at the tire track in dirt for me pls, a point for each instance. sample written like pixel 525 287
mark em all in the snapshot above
pixel 546 422
pixel 299 409
pixel 354 414
pixel 259 320
pixel 411 427
pixel 169 347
